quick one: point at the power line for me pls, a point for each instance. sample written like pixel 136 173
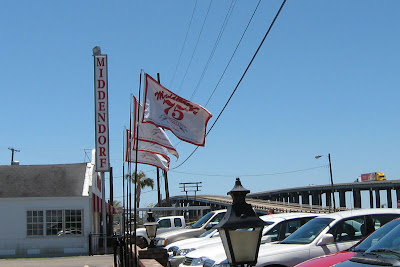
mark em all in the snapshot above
pixel 252 175
pixel 248 66
pixel 184 43
pixel 195 48
pixel 233 54
pixel 221 31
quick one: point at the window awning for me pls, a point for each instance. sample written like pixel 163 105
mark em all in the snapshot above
pixel 97 205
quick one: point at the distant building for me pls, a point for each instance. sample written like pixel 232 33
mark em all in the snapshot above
pixel 49 210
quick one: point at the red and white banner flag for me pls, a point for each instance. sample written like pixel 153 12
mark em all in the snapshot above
pixel 148 158
pixel 144 156
pixel 145 146
pixel 187 120
pixel 149 135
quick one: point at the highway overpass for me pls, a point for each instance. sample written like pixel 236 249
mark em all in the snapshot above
pixel 315 198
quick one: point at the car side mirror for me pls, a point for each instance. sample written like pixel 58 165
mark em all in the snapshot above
pixel 326 239
pixel 266 239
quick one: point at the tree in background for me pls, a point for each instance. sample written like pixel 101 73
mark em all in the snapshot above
pixel 142 181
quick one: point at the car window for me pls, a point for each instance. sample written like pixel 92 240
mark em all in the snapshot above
pixel 217 219
pixel 178 222
pixel 348 229
pixel 207 233
pixel 293 225
pixel 274 232
pixel 308 232
pixel 203 220
pixel 165 223
pixel 379 220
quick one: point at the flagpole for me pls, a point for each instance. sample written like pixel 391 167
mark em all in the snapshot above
pixel 164 172
pixel 158 174
pixel 158 188
pixel 129 190
pixel 135 177
pixel 122 223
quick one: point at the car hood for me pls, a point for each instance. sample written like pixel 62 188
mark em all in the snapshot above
pixel 328 260
pixel 195 242
pixel 266 250
pixel 141 230
pixel 175 232
pixel 212 251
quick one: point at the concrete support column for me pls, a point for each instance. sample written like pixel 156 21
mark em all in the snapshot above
pixel 296 198
pixel 378 198
pixel 328 198
pixel 357 198
pixel 305 198
pixel 316 198
pixel 371 199
pixel 342 198
pixel 389 198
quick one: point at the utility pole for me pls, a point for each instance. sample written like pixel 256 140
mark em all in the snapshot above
pixel 333 189
pixel 12 153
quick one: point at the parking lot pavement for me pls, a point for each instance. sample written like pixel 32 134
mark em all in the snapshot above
pixel 79 261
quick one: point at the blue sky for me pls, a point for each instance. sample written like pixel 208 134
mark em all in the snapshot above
pixel 325 81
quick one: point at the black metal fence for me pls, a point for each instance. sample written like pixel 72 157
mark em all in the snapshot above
pixel 96 246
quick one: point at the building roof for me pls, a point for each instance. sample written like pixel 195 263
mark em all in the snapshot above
pixel 58 180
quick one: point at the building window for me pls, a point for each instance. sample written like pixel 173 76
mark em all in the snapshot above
pixel 73 222
pixel 34 223
pixel 56 222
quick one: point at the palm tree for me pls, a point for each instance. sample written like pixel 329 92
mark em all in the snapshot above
pixel 116 204
pixel 142 181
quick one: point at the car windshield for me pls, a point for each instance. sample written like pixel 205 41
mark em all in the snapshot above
pixel 389 243
pixel 308 232
pixel 373 238
pixel 208 232
pixel 202 220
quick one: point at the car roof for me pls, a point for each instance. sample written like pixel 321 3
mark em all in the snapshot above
pixel 359 212
pixel 168 217
pixel 285 216
pixel 218 211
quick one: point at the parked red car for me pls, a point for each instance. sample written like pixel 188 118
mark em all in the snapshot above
pixel 362 246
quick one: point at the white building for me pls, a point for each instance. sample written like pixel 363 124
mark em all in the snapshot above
pixel 49 210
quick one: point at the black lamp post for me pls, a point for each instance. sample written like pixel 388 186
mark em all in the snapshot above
pixel 241 229
pixel 151 228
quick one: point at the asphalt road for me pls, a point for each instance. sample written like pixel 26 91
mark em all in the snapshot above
pixel 79 261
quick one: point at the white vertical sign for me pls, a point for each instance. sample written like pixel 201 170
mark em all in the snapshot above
pixel 101 113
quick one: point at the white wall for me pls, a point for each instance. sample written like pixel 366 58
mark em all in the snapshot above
pixel 13 231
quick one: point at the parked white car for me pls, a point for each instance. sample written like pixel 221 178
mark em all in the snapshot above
pixel 278 227
pixel 165 224
pixel 204 224
pixel 179 249
pixel 323 235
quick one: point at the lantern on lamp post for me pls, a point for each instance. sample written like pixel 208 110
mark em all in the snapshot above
pixel 241 229
pixel 151 229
